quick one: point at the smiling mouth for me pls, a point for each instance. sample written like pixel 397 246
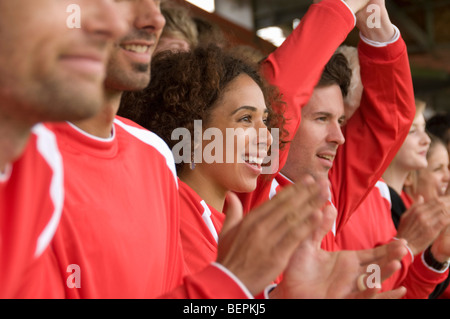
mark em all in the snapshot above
pixel 136 48
pixel 253 160
pixel 327 157
pixel 84 63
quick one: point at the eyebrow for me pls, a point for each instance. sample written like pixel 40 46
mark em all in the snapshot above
pixel 322 114
pixel 250 108
pixel 327 114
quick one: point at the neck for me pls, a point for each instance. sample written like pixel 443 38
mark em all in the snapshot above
pixel 14 136
pixel 101 124
pixel 212 194
pixel 297 176
pixel 395 177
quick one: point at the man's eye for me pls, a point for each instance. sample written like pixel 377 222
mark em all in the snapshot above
pixel 439 168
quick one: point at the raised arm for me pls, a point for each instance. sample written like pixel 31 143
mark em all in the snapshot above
pixel 296 66
pixel 379 126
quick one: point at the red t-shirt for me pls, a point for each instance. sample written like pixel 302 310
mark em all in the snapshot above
pixel 333 21
pixel 200 226
pixel 119 233
pixel 31 199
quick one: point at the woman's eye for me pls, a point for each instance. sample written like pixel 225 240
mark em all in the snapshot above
pixel 246 118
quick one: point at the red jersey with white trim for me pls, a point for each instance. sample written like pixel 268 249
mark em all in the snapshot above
pixel 31 199
pixel 421 279
pixel 200 226
pixel 329 241
pixel 295 68
pixel 119 233
pixel 379 125
pixel 374 214
pixel 381 122
pixel 333 21
pixel 371 225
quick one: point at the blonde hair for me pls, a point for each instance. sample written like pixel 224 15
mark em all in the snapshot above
pixel 411 182
pixel 179 23
pixel 420 107
pixel 410 185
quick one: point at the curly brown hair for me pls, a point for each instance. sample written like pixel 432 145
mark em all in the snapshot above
pixel 185 87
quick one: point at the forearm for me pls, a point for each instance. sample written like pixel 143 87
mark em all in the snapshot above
pixel 374 23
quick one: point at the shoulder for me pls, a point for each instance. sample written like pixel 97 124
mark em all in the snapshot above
pixel 384 191
pixel 149 138
pixel 144 135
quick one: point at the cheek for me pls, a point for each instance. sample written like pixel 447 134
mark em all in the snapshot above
pixel 438 180
pixel 409 157
pixel 427 181
pixel 237 145
pixel 404 153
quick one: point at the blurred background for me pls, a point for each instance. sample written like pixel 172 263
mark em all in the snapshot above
pixel 424 24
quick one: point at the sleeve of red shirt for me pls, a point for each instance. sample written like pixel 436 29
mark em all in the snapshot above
pixel 214 282
pixel 377 129
pixel 421 279
pixel 397 279
pixel 295 68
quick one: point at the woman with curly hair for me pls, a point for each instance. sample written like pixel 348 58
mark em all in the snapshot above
pixel 198 93
pixel 223 92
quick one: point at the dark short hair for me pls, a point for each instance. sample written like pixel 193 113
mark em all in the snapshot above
pixel 439 125
pixel 337 71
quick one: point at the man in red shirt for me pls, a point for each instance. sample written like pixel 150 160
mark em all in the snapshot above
pixel 372 135
pixel 201 221
pixel 119 233
pixel 56 74
pixel 372 138
pixel 378 126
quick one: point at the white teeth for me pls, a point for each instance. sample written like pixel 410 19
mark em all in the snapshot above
pixel 327 157
pixel 253 159
pixel 136 48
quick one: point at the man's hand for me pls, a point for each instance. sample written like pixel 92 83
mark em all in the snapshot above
pixel 382 31
pixel 257 248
